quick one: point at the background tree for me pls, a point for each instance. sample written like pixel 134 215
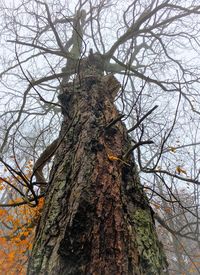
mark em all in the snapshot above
pixel 152 47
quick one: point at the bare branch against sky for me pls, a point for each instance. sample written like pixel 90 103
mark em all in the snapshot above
pixel 152 48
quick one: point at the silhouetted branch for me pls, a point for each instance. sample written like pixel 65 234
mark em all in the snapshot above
pixel 141 119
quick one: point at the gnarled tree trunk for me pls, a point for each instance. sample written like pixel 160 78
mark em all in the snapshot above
pixel 96 218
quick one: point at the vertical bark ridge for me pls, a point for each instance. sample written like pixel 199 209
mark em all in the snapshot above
pixel 96 218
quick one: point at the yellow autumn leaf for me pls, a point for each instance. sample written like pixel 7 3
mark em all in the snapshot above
pixel 180 170
pixel 11 256
pixel 172 149
pixel 113 158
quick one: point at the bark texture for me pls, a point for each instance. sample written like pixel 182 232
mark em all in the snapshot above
pixel 96 218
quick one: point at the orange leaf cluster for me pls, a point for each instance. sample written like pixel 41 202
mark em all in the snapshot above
pixel 16 237
pixel 17 226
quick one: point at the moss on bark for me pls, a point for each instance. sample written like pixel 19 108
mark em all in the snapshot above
pixel 96 218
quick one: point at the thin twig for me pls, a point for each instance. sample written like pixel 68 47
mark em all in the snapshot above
pixel 140 120
pixel 114 121
pixel 136 146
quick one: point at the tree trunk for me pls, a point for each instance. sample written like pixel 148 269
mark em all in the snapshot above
pixel 96 218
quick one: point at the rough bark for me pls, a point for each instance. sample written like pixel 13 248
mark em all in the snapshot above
pixel 96 218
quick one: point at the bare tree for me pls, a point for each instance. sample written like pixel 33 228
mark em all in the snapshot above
pixel 97 217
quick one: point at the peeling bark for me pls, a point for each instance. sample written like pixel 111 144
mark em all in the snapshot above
pixel 96 218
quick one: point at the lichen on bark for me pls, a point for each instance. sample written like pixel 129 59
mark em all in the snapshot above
pixel 96 218
pixel 152 257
